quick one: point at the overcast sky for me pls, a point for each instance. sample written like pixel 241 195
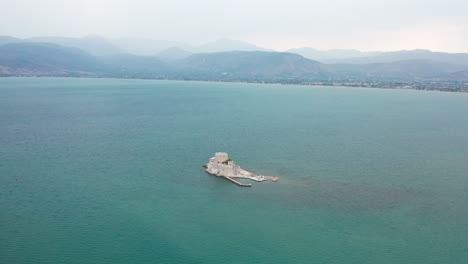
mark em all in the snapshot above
pixel 325 24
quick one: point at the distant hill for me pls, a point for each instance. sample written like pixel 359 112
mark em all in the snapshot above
pixel 147 47
pixel 250 65
pixel 461 76
pixel 132 66
pixel 173 53
pixel 399 70
pixel 151 47
pixel 47 59
pixel 221 45
pixel 92 44
pixel 26 58
pixel 359 57
pixel 31 58
pixel 394 56
pixel 321 55
pixel 7 39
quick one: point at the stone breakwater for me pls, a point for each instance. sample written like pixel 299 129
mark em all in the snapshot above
pixel 221 165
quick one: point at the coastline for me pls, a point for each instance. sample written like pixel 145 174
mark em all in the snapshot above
pixel 239 82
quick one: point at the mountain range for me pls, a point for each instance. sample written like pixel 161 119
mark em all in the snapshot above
pixel 100 46
pixel 324 55
pixel 222 60
pixel 94 45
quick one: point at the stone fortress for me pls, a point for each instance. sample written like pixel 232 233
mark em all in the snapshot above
pixel 221 165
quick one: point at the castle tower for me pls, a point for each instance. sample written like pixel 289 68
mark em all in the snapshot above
pixel 221 157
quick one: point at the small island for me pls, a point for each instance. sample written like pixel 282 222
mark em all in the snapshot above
pixel 222 166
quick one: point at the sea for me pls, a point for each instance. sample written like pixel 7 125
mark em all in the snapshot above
pixel 110 171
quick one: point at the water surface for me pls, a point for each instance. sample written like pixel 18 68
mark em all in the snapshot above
pixel 109 171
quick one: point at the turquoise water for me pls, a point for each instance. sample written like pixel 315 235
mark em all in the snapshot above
pixel 109 171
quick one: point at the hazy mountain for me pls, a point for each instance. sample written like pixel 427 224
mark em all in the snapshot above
pixel 399 70
pixel 278 65
pixel 221 45
pixel 315 54
pixel 8 39
pixel 173 53
pixel 27 58
pixel 148 47
pixel 250 64
pixel 31 58
pixel 92 44
pixel 138 46
pixel 393 56
pixel 132 66
pixel 359 57
pixel 461 76
pixel 153 47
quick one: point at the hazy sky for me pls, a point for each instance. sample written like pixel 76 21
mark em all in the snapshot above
pixel 324 24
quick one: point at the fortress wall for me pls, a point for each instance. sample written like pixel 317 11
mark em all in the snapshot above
pixel 221 157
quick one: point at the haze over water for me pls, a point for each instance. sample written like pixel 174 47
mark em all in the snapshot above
pixel 109 171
